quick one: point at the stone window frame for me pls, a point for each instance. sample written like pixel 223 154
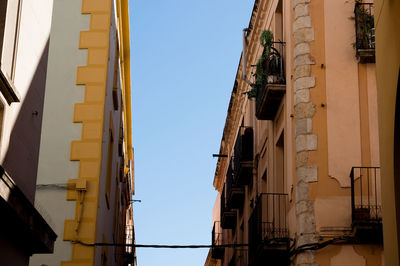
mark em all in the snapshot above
pixel 10 14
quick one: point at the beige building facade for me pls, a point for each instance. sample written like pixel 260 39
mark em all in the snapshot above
pixel 299 176
pixel 85 174
pixel 24 44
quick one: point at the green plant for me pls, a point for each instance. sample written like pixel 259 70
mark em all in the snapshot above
pixel 266 39
pixel 365 25
pixel 267 65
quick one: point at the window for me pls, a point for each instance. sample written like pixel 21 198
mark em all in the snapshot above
pixel 1 119
pixel 9 29
pixel 279 184
pixel 110 152
pixel 116 76
pixel 279 22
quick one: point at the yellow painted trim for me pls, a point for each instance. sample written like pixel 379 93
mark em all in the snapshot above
pixel 127 73
pixel 90 113
pixel 123 30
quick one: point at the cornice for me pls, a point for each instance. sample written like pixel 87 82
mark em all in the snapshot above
pixel 238 98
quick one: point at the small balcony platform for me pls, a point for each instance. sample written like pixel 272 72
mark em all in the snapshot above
pixel 228 215
pixel 365 32
pixel 234 192
pixel 268 231
pixel 217 239
pixel 268 101
pixel 243 157
pixel 366 204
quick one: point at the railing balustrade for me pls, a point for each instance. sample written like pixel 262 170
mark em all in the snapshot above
pixel 366 202
pixel 268 223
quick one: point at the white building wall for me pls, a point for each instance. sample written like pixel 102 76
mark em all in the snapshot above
pixel 16 146
pixel 58 129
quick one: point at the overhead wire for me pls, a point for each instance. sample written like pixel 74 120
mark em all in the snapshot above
pixel 158 246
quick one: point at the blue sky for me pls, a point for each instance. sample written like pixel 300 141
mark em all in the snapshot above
pixel 184 60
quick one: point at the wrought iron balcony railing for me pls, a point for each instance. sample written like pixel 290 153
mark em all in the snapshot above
pixel 217 238
pixel 243 156
pixel 228 215
pixel 129 252
pixel 268 231
pixel 365 32
pixel 234 192
pixel 366 204
pixel 270 93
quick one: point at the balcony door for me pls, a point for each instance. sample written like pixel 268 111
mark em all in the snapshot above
pixel 279 182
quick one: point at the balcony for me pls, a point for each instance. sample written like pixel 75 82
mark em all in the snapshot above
pixel 228 216
pixel 243 157
pixel 217 238
pixel 365 32
pixel 129 256
pixel 271 91
pixel 268 231
pixel 234 192
pixel 21 221
pixel 366 204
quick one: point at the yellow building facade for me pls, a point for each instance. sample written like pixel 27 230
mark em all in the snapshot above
pixel 85 173
pixel 387 23
pixel 299 173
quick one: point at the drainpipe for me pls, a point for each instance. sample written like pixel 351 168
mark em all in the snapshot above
pixel 245 30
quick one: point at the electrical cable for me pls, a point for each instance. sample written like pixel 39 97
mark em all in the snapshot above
pixel 293 252
pixel 319 245
pixel 158 246
pixel 61 186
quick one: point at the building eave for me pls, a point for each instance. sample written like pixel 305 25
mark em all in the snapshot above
pixel 235 96
pixel 24 223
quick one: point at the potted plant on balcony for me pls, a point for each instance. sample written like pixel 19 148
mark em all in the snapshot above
pixel 365 26
pixel 268 65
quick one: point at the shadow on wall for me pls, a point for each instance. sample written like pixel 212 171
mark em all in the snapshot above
pixel 21 158
pixel 397 158
pixel 27 233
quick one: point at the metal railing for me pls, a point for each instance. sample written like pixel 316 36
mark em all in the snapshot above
pixel 268 222
pixel 228 215
pixel 229 181
pixel 275 68
pixel 365 29
pixel 223 208
pixel 244 145
pixel 234 192
pixel 129 254
pixel 129 232
pixel 217 238
pixel 366 205
pixel 274 72
pixel 243 150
